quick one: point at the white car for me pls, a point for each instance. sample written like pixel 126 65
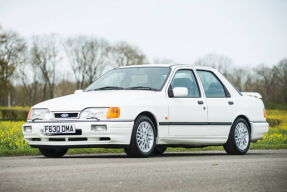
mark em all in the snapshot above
pixel 147 108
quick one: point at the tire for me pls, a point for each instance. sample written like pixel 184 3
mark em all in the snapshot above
pixel 55 153
pixel 159 150
pixel 239 138
pixel 142 142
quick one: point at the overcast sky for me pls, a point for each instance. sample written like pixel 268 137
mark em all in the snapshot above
pixel 250 32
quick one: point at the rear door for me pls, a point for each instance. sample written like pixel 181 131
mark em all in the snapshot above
pixel 220 104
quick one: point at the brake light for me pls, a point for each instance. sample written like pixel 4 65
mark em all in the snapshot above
pixel 28 118
pixel 264 112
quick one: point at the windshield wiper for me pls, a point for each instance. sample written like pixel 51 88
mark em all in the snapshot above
pixel 107 87
pixel 141 87
pixel 36 119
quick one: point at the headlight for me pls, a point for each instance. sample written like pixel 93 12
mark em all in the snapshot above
pixel 39 114
pixel 100 113
pixel 94 113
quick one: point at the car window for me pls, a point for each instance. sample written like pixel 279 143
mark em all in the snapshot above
pixel 185 78
pixel 113 80
pixel 153 77
pixel 211 85
pixel 139 80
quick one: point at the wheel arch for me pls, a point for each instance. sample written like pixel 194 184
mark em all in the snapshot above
pixel 246 119
pixel 152 118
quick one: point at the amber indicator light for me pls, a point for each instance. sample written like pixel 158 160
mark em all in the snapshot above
pixel 113 112
pixel 28 118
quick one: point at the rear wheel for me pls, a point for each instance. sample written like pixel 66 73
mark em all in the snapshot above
pixel 239 138
pixel 143 138
pixel 56 153
pixel 159 150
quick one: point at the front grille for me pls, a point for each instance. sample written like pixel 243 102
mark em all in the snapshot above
pixel 66 115
pixel 78 132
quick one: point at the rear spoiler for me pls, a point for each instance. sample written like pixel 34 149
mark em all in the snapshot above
pixel 252 94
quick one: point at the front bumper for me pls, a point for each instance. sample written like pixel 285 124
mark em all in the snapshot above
pixel 117 135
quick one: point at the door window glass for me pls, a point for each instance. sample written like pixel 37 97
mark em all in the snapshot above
pixel 185 78
pixel 211 85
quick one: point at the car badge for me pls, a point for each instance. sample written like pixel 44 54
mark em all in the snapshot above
pixel 64 115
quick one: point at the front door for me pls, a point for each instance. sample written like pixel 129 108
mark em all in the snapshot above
pixel 187 115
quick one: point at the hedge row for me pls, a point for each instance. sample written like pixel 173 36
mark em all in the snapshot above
pixel 13 115
pixel 273 122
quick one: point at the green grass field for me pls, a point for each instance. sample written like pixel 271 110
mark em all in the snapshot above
pixel 12 142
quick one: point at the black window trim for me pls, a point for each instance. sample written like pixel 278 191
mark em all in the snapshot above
pixel 196 80
pixel 227 94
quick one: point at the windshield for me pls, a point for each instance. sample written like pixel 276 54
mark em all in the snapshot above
pixel 145 78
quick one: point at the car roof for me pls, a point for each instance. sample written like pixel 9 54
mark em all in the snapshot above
pixel 168 65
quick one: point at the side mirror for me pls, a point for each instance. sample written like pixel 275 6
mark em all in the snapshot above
pixel 78 91
pixel 180 92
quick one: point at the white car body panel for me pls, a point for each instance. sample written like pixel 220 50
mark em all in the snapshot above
pixel 217 117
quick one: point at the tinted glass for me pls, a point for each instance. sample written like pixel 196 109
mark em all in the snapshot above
pixel 153 77
pixel 211 85
pixel 185 78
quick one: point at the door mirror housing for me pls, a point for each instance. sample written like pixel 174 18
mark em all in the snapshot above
pixel 180 92
pixel 78 91
pixel 170 92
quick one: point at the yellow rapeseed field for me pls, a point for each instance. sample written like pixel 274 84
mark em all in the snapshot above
pixel 11 136
pixel 278 133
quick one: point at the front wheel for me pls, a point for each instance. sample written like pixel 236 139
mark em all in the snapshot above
pixel 56 153
pixel 239 138
pixel 143 138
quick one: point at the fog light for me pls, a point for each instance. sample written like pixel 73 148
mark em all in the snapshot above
pixel 27 129
pixel 99 128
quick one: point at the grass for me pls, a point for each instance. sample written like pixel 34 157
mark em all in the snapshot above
pixel 12 142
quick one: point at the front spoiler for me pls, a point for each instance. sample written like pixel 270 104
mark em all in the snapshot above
pixel 79 146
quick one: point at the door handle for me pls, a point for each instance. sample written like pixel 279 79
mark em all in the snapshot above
pixel 200 102
pixel 230 102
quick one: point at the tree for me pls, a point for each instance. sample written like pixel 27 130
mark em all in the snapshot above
pixel 265 75
pixel 87 56
pixel 11 47
pixel 163 61
pixel 123 54
pixel 219 62
pixel 280 76
pixel 28 73
pixel 65 86
pixel 238 76
pixel 45 54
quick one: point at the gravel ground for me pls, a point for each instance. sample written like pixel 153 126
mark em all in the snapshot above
pixel 258 170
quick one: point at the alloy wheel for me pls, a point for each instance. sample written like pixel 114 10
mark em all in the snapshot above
pixel 241 136
pixel 145 136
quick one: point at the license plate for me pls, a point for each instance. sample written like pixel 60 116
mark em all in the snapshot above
pixel 59 129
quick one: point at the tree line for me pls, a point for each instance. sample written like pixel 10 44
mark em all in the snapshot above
pixel 29 73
